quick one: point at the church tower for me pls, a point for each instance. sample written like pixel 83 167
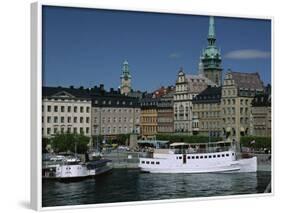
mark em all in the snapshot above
pixel 210 60
pixel 125 77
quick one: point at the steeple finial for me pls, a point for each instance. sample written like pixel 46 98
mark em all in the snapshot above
pixel 212 33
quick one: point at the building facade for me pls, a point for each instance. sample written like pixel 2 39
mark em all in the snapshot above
pixel 261 115
pixel 113 113
pixel 149 116
pixel 238 91
pixel 187 87
pixel 207 112
pixel 92 111
pixel 65 110
pixel 165 113
pixel 210 60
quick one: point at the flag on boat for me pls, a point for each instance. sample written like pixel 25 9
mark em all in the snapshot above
pixel 253 142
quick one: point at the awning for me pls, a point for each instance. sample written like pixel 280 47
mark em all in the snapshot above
pixel 153 142
pixel 178 144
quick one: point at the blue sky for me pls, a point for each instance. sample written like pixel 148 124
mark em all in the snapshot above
pixel 86 47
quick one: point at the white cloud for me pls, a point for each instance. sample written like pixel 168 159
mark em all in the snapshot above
pixel 174 55
pixel 247 54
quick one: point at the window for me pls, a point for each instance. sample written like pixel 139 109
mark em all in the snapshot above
pixel 201 157
pixel 75 130
pixel 87 120
pixel 152 162
pixel 205 156
pixel 81 109
pixel 87 130
pixel 197 157
pixel 210 156
pixel 81 130
pixel 75 119
pixel 142 162
pixel 218 156
pixel 62 108
pixel 188 157
pixel 69 109
pixel 55 130
pixel 55 119
pixel 180 157
pixel 157 162
pixel 192 157
pixel 147 162
pixel 88 109
pixel 56 108
pixel 222 155
pixel 227 155
pixel 49 119
pixel 75 109
pixel 62 119
pixel 68 119
pixel 49 108
pixel 214 156
pixel 48 131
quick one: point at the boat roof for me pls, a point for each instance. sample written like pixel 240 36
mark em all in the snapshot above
pixel 187 144
pixel 152 142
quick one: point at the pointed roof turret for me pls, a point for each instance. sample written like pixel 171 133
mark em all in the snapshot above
pixel 125 69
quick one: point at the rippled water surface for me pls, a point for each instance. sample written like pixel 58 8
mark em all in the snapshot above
pixel 130 185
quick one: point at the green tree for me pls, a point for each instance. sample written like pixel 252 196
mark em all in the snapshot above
pixel 66 142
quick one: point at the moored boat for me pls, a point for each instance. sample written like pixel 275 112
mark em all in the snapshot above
pixel 218 159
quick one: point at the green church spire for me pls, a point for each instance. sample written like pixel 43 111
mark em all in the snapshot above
pixel 210 60
pixel 125 87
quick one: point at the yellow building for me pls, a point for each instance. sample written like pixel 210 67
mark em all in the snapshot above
pixel 148 118
pixel 238 91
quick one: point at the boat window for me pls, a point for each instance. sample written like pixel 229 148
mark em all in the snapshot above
pixel 192 157
pixel 157 162
pixel 142 162
pixel 201 157
pixel 222 155
pixel 205 156
pixel 218 156
pixel 188 157
pixel 227 155
pixel 210 156
pixel 214 156
pixel 152 162
pixel 147 162
pixel 232 154
pixel 197 157
pixel 180 157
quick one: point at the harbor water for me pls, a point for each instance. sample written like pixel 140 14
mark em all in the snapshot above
pixel 123 185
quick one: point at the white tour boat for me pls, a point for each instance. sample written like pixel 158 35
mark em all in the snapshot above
pixel 195 160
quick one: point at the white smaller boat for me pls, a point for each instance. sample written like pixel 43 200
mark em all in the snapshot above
pixel 71 168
